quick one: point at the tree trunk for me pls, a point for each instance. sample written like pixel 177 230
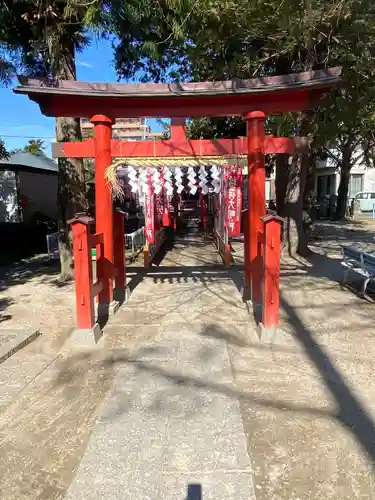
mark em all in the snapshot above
pixel 308 193
pixel 343 191
pixel 71 186
pixel 342 195
pixel 290 181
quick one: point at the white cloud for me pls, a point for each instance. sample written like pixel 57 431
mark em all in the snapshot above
pixel 84 64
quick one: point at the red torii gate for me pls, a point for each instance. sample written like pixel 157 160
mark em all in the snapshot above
pixel 253 99
pixel 179 145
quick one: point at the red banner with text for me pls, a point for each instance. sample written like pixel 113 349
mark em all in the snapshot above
pixel 150 216
pixel 234 202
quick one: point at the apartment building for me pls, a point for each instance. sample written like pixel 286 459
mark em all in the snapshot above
pixel 126 129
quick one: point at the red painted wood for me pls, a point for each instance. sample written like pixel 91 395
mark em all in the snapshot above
pixel 227 257
pixel 161 106
pixel 271 284
pixel 256 199
pixel 178 130
pixel 97 287
pixel 150 215
pixel 96 239
pixel 246 250
pixel 167 210
pixel 176 198
pixel 119 251
pixel 171 148
pixel 203 211
pixel 100 268
pixel 146 257
pixel 83 274
pixel 103 204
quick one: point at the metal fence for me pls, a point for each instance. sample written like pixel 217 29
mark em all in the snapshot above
pixel 52 244
pixel 135 241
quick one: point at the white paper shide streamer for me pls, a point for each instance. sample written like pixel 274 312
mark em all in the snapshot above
pixel 178 180
pixel 192 180
pixel 216 182
pixel 167 174
pixel 156 181
pixel 203 182
pixel 133 179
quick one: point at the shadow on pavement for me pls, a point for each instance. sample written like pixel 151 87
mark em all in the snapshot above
pixel 194 492
pixel 352 413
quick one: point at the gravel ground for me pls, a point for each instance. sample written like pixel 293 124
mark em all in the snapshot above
pixel 308 394
pixel 31 296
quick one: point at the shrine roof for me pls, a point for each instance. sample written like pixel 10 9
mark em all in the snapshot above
pixel 276 93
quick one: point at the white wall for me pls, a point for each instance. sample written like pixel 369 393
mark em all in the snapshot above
pixel 9 211
pixel 369 179
pixel 326 167
pixel 41 192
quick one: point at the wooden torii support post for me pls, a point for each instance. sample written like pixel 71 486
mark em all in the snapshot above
pixel 103 204
pixel 256 202
pixel 253 99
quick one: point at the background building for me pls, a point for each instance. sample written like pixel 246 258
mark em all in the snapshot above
pixel 362 178
pixel 28 186
pixel 28 205
pixel 126 129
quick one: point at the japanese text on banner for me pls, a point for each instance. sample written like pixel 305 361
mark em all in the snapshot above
pixel 150 217
pixel 234 202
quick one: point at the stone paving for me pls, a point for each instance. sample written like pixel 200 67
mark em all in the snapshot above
pixel 185 402
pixel 171 427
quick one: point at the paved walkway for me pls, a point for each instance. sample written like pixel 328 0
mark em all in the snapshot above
pixel 156 412
pixel 171 427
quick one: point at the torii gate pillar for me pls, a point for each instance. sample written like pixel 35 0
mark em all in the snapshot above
pixel 256 204
pixel 103 203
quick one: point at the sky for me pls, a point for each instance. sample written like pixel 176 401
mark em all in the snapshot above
pixel 21 119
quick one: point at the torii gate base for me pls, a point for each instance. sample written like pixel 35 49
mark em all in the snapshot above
pixel 269 245
pixel 88 331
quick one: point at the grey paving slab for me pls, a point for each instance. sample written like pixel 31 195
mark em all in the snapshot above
pixel 120 336
pixel 180 329
pixel 12 340
pixel 204 359
pixel 208 435
pixel 217 485
pixel 139 388
pixel 126 447
pixel 173 416
pixel 136 317
pixel 163 349
pixel 140 484
pixel 179 316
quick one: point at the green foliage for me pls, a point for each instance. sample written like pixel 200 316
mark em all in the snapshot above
pixel 214 128
pixel 226 39
pixel 34 146
pixel 4 154
pixel 36 34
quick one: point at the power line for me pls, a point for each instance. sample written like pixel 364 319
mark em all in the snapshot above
pixel 28 136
